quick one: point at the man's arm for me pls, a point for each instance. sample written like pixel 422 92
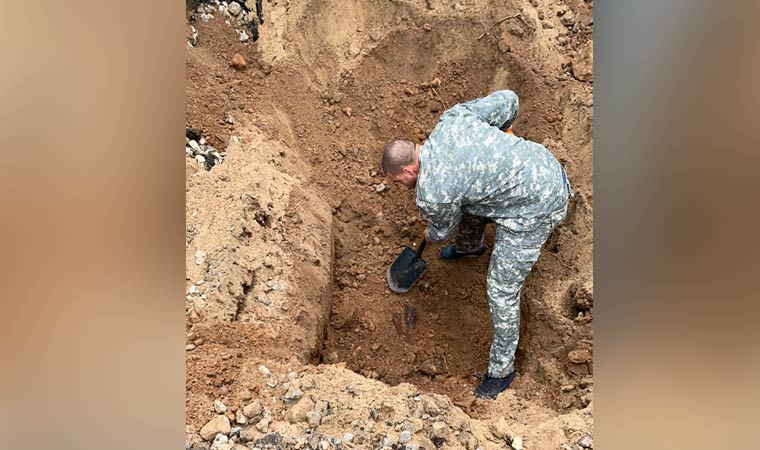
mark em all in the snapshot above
pixel 498 109
pixel 442 219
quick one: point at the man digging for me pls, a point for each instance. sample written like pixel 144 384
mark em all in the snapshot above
pixel 471 172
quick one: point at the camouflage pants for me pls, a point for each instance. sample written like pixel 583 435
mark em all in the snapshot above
pixel 513 256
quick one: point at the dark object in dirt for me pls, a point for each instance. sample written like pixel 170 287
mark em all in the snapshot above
pixel 211 159
pixel 254 25
pixel 406 269
pixel 271 440
pixel 405 321
pixel 192 134
pixel 491 387
pixel 431 367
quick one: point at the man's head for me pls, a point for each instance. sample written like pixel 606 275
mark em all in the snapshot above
pixel 401 162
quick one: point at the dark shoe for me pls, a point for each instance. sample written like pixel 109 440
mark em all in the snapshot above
pixel 491 387
pixel 450 253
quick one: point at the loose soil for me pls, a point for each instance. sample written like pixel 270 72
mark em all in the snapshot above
pixel 294 237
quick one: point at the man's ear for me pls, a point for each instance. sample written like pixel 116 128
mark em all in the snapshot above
pixel 410 170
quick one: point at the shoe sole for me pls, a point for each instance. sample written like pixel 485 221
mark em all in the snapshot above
pixel 457 259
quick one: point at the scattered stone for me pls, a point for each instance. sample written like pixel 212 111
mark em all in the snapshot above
pixel 219 424
pixel 430 367
pixel 272 383
pixel 380 187
pixel 244 36
pixel 517 443
pixel 240 417
pixel 263 424
pixel 271 440
pixel 427 27
pixel 354 50
pixel 297 413
pixel 405 437
pixel 586 382
pixel 252 409
pixel 500 428
pixel 579 356
pixel 264 370
pixel 293 394
pixel 314 417
pixel 567 388
pixel 408 91
pixel 348 437
pixel 439 430
pixel 582 69
pixel 307 383
pixel 200 257
pixel 430 406
pixel 190 347
pixel 220 407
pixel 429 4
pixel 234 8
pixel 469 440
pixel 375 36
pixel 238 62
pixel 347 111
pixel 335 99
pixel 192 39
pixel 586 442
pixel 221 442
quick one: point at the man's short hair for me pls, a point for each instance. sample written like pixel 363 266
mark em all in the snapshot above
pixel 397 154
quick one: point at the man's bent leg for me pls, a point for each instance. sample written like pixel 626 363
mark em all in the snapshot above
pixel 470 233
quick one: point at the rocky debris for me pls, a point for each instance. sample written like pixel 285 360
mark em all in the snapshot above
pixel 517 443
pixel 297 412
pixel 335 99
pixel 499 429
pixel 380 187
pixel 468 440
pixel 234 8
pixel 586 442
pixel 431 367
pixel 206 155
pixel 429 4
pixel 221 442
pixel 427 27
pixel 307 383
pixel 265 371
pixel 347 111
pixel 439 431
pixel 293 394
pixel 354 50
pixel 579 356
pixel 405 437
pixel 219 407
pixel 252 409
pixel 200 257
pixel 582 67
pixel 243 36
pixel 192 37
pixel 240 417
pixel 238 62
pixel 219 424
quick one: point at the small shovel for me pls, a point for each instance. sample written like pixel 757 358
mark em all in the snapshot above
pixel 406 269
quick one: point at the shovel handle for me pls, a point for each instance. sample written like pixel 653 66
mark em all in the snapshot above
pixel 421 248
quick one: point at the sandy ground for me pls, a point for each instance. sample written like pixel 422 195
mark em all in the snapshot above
pixel 288 239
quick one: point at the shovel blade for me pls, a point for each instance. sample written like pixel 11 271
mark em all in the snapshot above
pixel 405 270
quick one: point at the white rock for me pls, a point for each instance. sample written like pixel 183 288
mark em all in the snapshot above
pixel 234 8
pixel 379 187
pixel 586 442
pixel 405 437
pixel 244 36
pixel 194 145
pixel 221 442
pixel 348 437
pixel 517 443
pixel 265 371
pixel 200 255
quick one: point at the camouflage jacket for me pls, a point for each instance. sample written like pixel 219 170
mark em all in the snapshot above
pixel 469 165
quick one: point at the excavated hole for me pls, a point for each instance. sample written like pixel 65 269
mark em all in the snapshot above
pixel 438 335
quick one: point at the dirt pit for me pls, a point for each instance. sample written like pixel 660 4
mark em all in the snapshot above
pixel 289 237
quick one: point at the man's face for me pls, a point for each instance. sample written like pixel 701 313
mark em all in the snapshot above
pixel 408 177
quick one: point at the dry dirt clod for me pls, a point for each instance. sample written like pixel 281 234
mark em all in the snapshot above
pixel 219 424
pixel 579 356
pixel 238 62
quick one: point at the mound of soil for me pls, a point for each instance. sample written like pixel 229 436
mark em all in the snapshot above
pixel 288 239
